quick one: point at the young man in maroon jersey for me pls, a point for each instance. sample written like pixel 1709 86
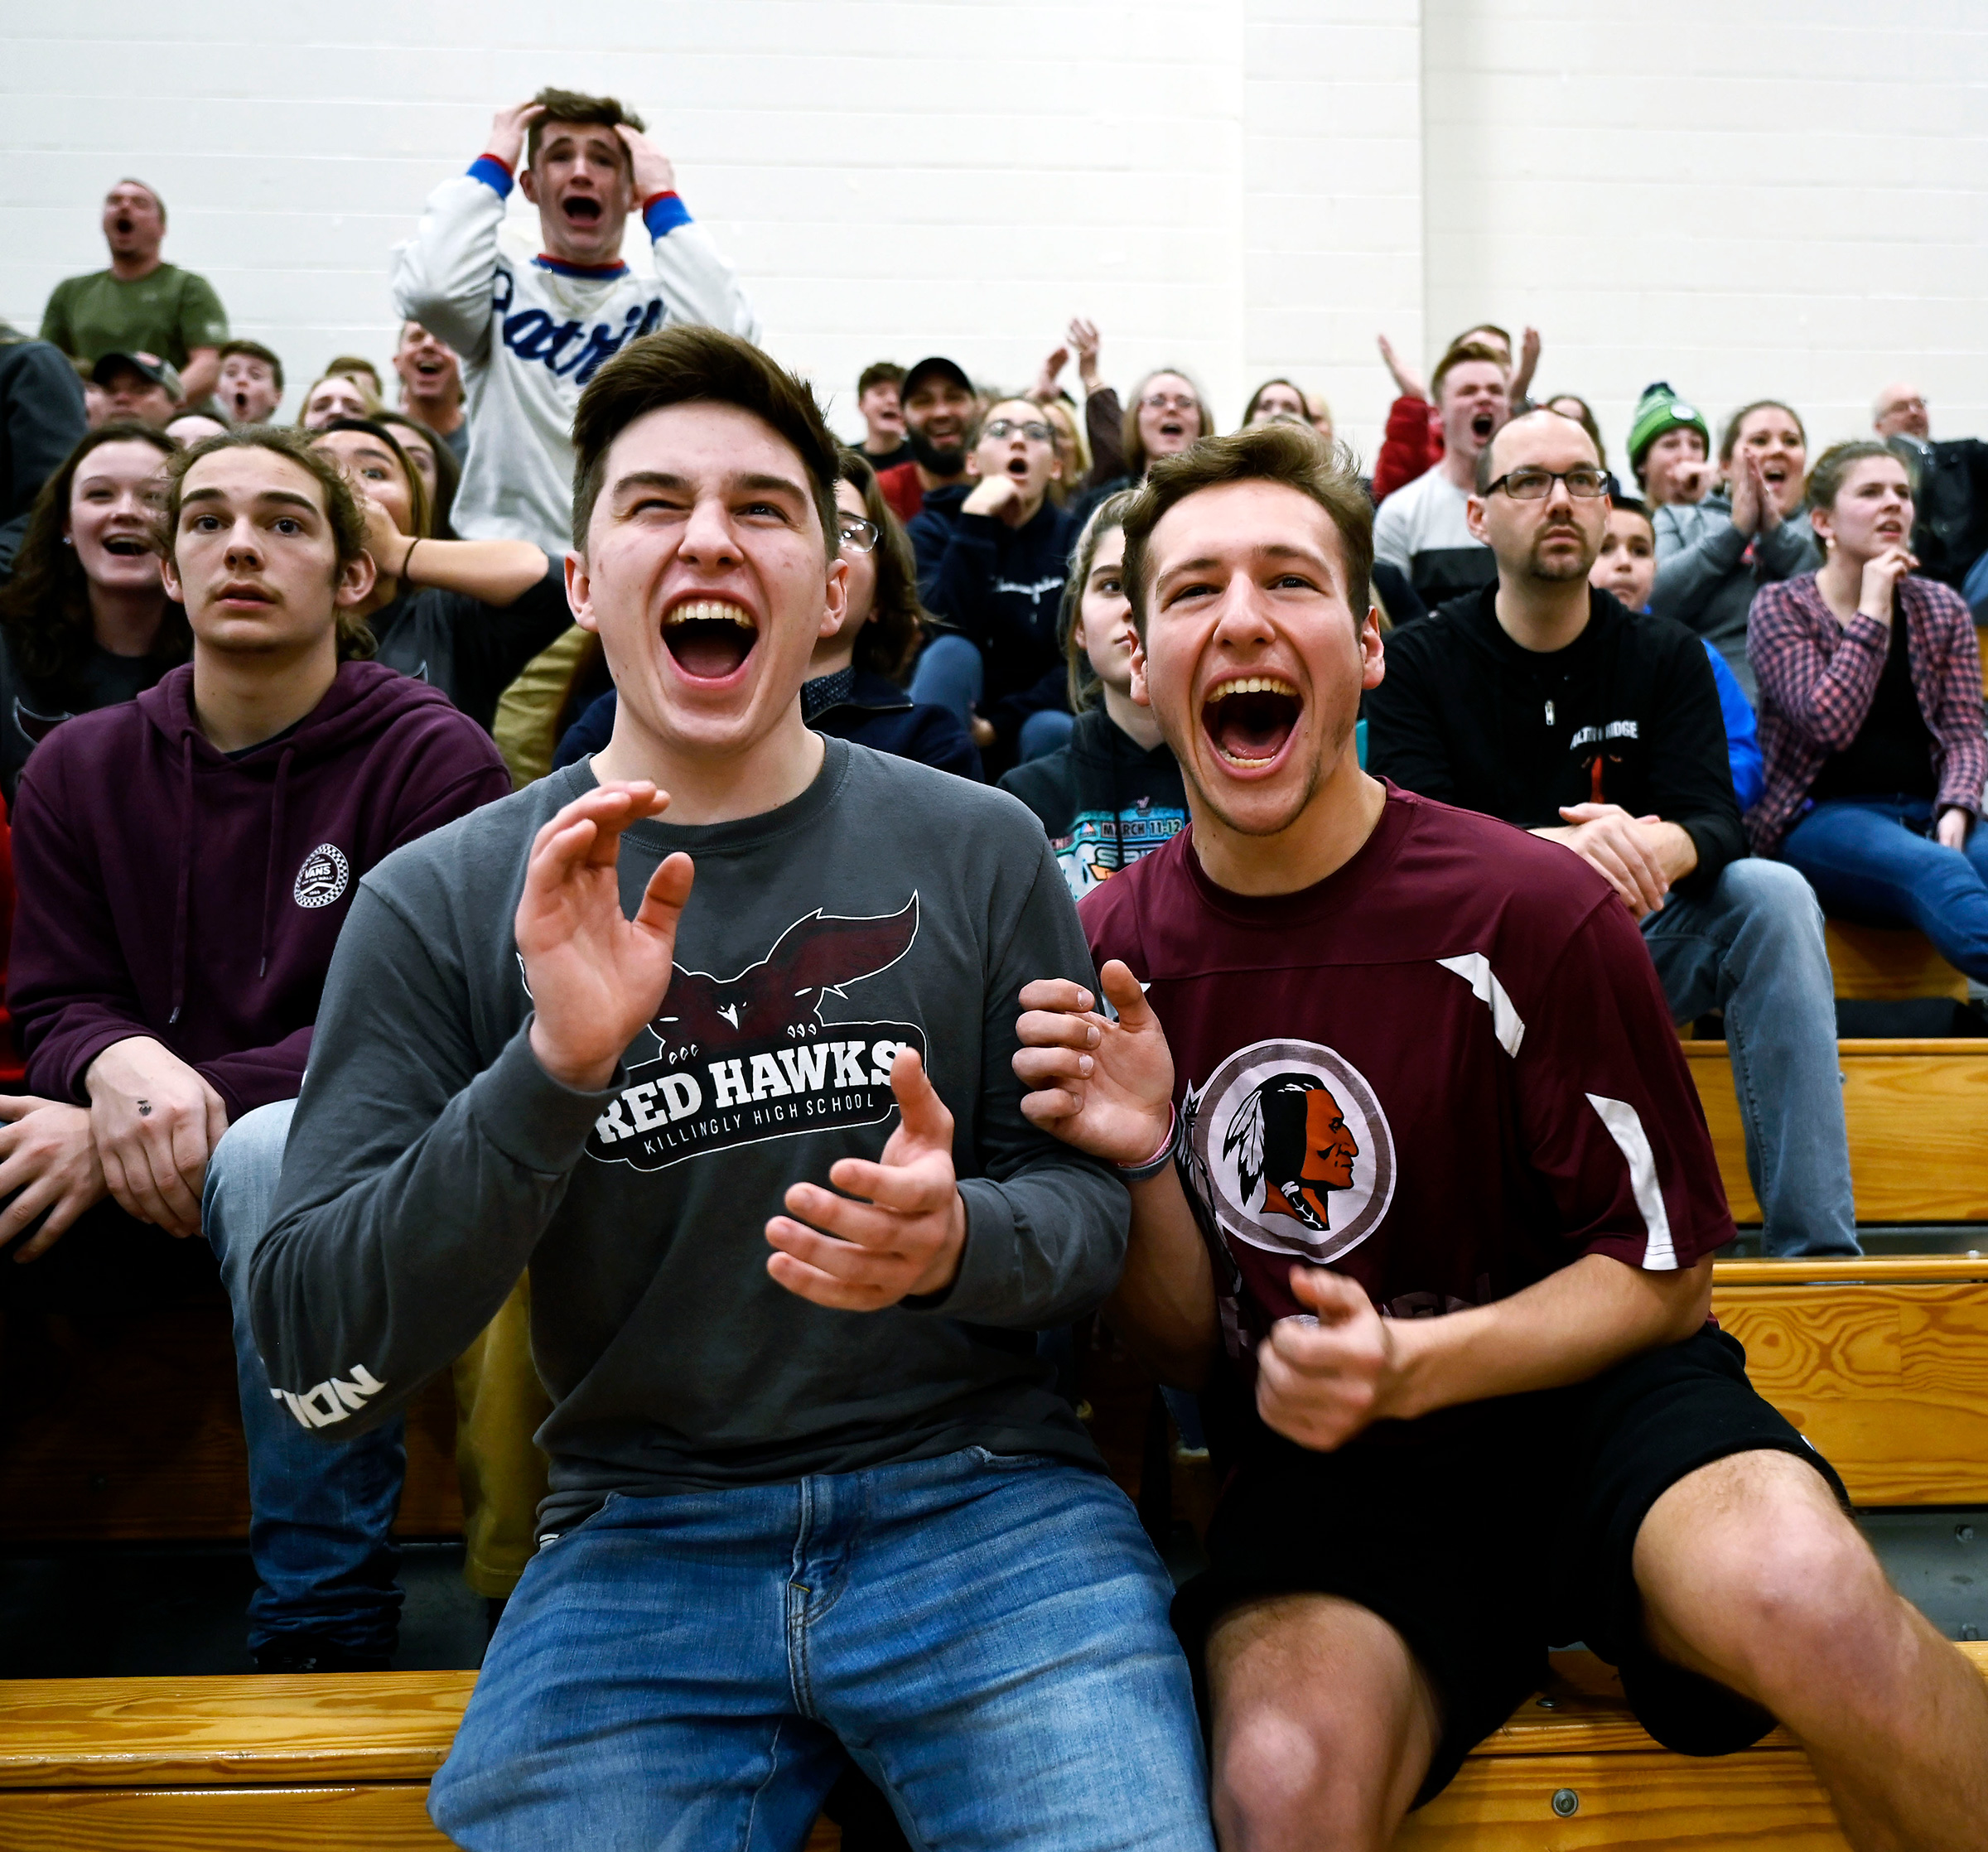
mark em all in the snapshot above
pixel 1413 1153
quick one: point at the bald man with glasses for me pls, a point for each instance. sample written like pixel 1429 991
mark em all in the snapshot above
pixel 1951 534
pixel 1541 701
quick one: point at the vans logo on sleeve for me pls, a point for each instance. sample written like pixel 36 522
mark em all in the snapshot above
pixel 323 878
pixel 744 1058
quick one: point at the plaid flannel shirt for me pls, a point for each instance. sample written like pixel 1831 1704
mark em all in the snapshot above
pixel 1817 679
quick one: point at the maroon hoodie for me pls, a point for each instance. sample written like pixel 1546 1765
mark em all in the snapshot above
pixel 169 889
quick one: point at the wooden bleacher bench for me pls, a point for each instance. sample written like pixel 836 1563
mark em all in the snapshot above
pixel 326 1763
pixel 1917 1112
pixel 1888 965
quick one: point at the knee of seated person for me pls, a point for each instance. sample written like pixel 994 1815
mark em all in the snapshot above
pixel 1279 1779
pixel 1758 883
pixel 250 1155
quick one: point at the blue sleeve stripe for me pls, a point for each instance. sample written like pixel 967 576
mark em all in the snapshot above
pixel 664 214
pixel 493 175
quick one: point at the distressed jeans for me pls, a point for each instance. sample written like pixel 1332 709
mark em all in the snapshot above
pixel 985 1635
pixel 1753 948
pixel 320 1528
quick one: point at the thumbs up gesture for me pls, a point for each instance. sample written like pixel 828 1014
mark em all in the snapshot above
pixel 900 1226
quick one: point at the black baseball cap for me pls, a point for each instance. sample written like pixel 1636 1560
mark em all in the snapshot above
pixel 934 365
pixel 160 372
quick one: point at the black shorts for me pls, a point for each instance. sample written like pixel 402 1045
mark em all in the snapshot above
pixel 1504 1531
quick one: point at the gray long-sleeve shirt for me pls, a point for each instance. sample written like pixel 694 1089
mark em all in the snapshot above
pixel 432 1159
pixel 1707 572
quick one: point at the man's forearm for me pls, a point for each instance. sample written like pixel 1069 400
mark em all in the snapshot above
pixel 1673 846
pixel 1163 1306
pixel 1565 1328
pixel 200 374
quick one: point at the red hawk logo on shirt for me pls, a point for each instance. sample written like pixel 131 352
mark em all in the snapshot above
pixel 1289 1151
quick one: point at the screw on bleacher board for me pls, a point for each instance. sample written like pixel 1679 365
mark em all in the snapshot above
pixel 1969 1631
pixel 1567 1803
pixel 1963 1533
pixel 1547 1703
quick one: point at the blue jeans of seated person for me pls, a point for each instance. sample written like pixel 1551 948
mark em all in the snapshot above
pixel 1753 948
pixel 321 1512
pixel 951 673
pixel 985 1635
pixel 1875 861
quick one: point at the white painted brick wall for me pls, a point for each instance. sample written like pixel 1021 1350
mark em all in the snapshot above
pixel 1750 196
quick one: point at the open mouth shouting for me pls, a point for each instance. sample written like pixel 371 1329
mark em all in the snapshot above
pixel 1249 720
pixel 710 638
pixel 125 546
pixel 1484 424
pixel 122 225
pixel 582 211
pixel 1018 468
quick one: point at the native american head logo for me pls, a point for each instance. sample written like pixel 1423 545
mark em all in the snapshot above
pixel 1290 1131
pixel 1289 1151
pixel 815 957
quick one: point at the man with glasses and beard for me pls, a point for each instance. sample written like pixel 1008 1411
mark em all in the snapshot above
pixel 1541 701
pixel 939 405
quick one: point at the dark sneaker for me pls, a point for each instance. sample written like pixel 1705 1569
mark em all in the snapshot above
pixel 311 1652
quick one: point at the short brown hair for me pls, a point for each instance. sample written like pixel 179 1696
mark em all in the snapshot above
pixel 576 106
pixel 1293 454
pixel 342 511
pixel 886 644
pixel 878 372
pixel 1826 480
pixel 686 362
pixel 1459 355
pixel 255 351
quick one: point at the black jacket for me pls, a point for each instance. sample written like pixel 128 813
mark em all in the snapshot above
pixel 1627 714
pixel 471 651
pixel 40 421
pixel 1952 531
pixel 1103 799
pixel 1002 587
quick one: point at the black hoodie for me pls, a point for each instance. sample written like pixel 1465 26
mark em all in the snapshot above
pixel 1104 799
pixel 1627 714
pixel 469 650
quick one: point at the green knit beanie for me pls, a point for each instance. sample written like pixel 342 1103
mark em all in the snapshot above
pixel 1660 410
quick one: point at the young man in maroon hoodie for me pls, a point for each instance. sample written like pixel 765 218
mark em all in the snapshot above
pixel 185 863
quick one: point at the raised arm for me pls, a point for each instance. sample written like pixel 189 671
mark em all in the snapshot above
pixel 495 572
pixel 1106 1086
pixel 402 1226
pixel 698 285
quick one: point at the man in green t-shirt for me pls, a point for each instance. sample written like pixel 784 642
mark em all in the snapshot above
pixel 141 305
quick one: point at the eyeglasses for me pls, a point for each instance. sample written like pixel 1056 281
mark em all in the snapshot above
pixel 858 535
pixel 1584 483
pixel 1169 402
pixel 1034 430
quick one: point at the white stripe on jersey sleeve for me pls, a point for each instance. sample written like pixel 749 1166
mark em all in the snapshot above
pixel 1474 968
pixel 1659 1255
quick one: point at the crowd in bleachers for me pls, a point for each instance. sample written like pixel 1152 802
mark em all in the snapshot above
pixel 1740 681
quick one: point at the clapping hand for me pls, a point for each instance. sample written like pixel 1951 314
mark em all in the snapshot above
pixel 900 1226
pixel 1408 383
pixel 595 975
pixel 1083 337
pixel 1105 1087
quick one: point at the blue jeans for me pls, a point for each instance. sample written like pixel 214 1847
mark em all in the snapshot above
pixel 321 1513
pixel 951 674
pixel 985 1635
pixel 1974 588
pixel 1875 861
pixel 1753 948
pixel 1045 731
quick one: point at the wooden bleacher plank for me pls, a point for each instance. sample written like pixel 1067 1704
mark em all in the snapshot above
pixel 1881 1270
pixel 1889 964
pixel 1888 1381
pixel 1917 1111
pixel 360 1728
pixel 389 1818
pixel 93 1450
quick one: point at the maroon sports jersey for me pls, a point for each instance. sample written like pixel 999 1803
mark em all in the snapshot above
pixel 1445 1071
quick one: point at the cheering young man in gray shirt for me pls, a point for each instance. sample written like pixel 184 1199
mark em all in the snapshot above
pixel 808 1481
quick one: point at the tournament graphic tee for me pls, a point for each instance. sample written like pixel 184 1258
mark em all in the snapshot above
pixel 1445 1071
pixel 432 1159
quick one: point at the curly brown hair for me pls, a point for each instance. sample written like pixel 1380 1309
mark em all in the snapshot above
pixel 887 642
pixel 45 607
pixel 342 512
